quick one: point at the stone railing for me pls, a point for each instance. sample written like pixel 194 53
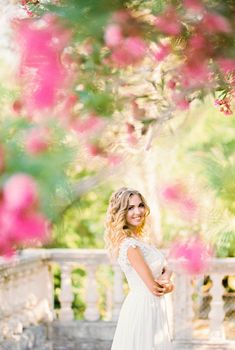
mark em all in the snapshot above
pixel 26 293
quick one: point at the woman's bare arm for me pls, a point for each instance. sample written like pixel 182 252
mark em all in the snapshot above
pixel 137 261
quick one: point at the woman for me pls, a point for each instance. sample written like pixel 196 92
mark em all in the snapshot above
pixel 142 323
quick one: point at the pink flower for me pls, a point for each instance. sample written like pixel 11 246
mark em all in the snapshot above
pixel 20 192
pixel 198 42
pixel 113 35
pixel 215 23
pixel 181 101
pixel 171 84
pixel 188 208
pixel 132 139
pixel 131 51
pixel 121 17
pixel 94 149
pixel 92 123
pixel 173 192
pixel 192 255
pixel 37 141
pixel 195 5
pixel 225 105
pixel 41 71
pixel 32 226
pixel 17 106
pixel 130 128
pixel 114 159
pixel 168 22
pixel 137 112
pixel 19 228
pixel 227 65
pixel 195 73
pixel 162 52
pixel 177 195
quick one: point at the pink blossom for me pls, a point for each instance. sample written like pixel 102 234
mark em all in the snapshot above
pixel 227 65
pixel 215 23
pixel 130 128
pixel 24 4
pixel 171 84
pixel 225 105
pixel 113 35
pixel 198 42
pixel 188 208
pixel 162 52
pixel 41 71
pixel 137 112
pixel 20 192
pixel 20 228
pixel 192 255
pixel 92 123
pixel 195 73
pixel 114 159
pixel 131 51
pixel 32 226
pixel 132 139
pixel 37 141
pixel 122 16
pixel 177 195
pixel 173 193
pixel 181 101
pixel 195 5
pixel 17 106
pixel 169 22
pixel 94 149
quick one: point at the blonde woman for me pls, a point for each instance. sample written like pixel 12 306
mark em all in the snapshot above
pixel 142 323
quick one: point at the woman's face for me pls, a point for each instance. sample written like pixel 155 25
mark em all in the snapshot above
pixel 135 211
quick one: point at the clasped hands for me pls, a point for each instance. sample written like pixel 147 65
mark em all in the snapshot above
pixel 162 286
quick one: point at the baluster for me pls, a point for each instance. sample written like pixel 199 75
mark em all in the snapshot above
pixel 66 295
pixel 216 314
pixel 92 312
pixel 183 308
pixel 118 294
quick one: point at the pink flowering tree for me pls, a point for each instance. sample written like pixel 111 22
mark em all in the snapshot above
pixel 75 63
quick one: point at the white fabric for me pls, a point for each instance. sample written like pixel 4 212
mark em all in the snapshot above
pixel 142 323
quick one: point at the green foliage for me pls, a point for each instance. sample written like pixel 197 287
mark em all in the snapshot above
pixel 225 244
pixel 79 13
pixel 48 168
pixel 82 225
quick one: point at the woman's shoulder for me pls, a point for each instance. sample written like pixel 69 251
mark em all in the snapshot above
pixel 130 242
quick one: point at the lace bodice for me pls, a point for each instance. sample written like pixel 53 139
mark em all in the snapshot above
pixel 153 257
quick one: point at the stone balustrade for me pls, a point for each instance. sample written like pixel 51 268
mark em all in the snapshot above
pixel 26 293
pixel 26 297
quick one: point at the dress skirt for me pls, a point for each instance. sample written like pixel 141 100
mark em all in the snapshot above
pixel 142 323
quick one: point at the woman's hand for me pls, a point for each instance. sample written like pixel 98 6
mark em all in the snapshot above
pixel 158 288
pixel 163 286
pixel 168 286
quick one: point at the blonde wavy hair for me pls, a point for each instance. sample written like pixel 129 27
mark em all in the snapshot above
pixel 116 226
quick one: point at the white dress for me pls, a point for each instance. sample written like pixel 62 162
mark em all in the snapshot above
pixel 142 323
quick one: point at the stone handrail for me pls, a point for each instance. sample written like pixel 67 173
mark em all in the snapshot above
pixel 22 301
pixel 26 291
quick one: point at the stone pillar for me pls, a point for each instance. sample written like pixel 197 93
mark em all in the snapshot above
pixel 183 308
pixel 66 295
pixel 216 315
pixel 92 312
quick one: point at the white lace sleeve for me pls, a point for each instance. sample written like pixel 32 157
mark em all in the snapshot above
pixel 122 257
